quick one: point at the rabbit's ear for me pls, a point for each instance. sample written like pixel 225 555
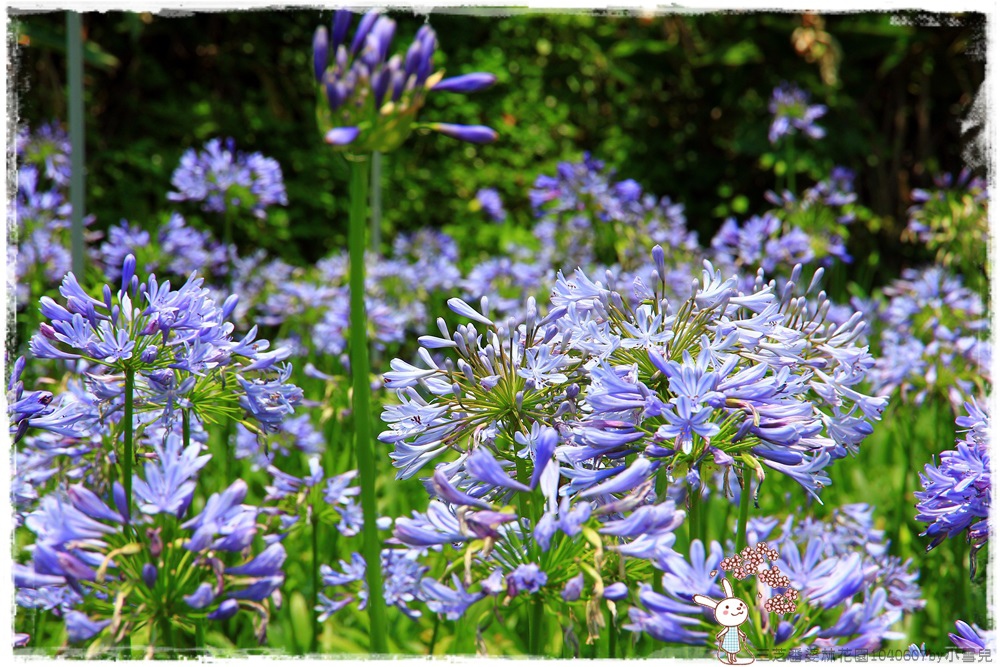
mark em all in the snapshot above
pixel 726 586
pixel 705 601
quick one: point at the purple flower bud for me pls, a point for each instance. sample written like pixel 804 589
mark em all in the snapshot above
pixel 229 305
pixel 118 493
pixel 476 134
pixel 443 488
pixel 80 628
pixel 370 54
pixel 201 598
pixel 545 529
pixel 397 82
pixel 148 355
pixel 412 60
pixel 380 84
pixel 155 542
pixel 384 30
pixel 321 51
pixel 226 610
pixel 87 502
pixel 616 591
pixel 149 574
pixel 128 270
pixel 47 331
pixel 340 59
pixel 107 295
pixel 367 21
pixel 268 563
pixel 341 24
pixel 340 136
pixel 658 260
pixel 335 92
pixel 573 588
pixel 466 83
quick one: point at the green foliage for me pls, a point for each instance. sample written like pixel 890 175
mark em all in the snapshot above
pixel 678 102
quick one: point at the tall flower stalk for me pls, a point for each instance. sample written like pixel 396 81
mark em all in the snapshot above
pixel 361 373
pixel 367 102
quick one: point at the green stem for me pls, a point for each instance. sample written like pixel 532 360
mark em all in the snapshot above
pixel 168 635
pixel 314 644
pixel 537 620
pixel 741 530
pixel 186 427
pixel 523 499
pixel 693 521
pixel 128 455
pixel 612 637
pixel 434 634
pixel 361 404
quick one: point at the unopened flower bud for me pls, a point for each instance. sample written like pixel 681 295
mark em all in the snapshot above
pixel 149 574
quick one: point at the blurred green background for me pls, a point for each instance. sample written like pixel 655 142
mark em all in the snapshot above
pixel 677 102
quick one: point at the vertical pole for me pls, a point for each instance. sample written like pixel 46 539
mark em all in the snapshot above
pixel 74 70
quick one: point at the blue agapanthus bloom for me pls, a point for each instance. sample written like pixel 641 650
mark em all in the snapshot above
pixel 222 179
pixel 792 113
pixel 972 637
pixel 848 592
pixel 934 340
pixel 367 99
pixel 957 491
pixel 491 204
pixel 95 552
pixel 177 343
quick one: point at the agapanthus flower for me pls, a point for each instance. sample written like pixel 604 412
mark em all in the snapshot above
pixel 223 179
pixel 107 554
pixel 368 101
pixel 951 219
pixel 972 637
pixel 583 215
pixel 491 204
pixel 792 113
pixel 40 211
pixel 822 570
pixel 933 340
pixel 176 343
pixel 47 146
pixel 957 492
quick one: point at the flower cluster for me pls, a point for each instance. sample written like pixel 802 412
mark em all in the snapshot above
pixel 951 220
pixel 811 227
pixel 933 339
pixel 829 565
pixel 176 249
pixel 793 113
pixel 368 101
pixel 175 344
pixel 585 216
pixel 225 180
pixel 40 211
pixel 957 492
pixel 110 571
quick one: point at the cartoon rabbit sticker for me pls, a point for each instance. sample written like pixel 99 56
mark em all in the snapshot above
pixel 729 613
